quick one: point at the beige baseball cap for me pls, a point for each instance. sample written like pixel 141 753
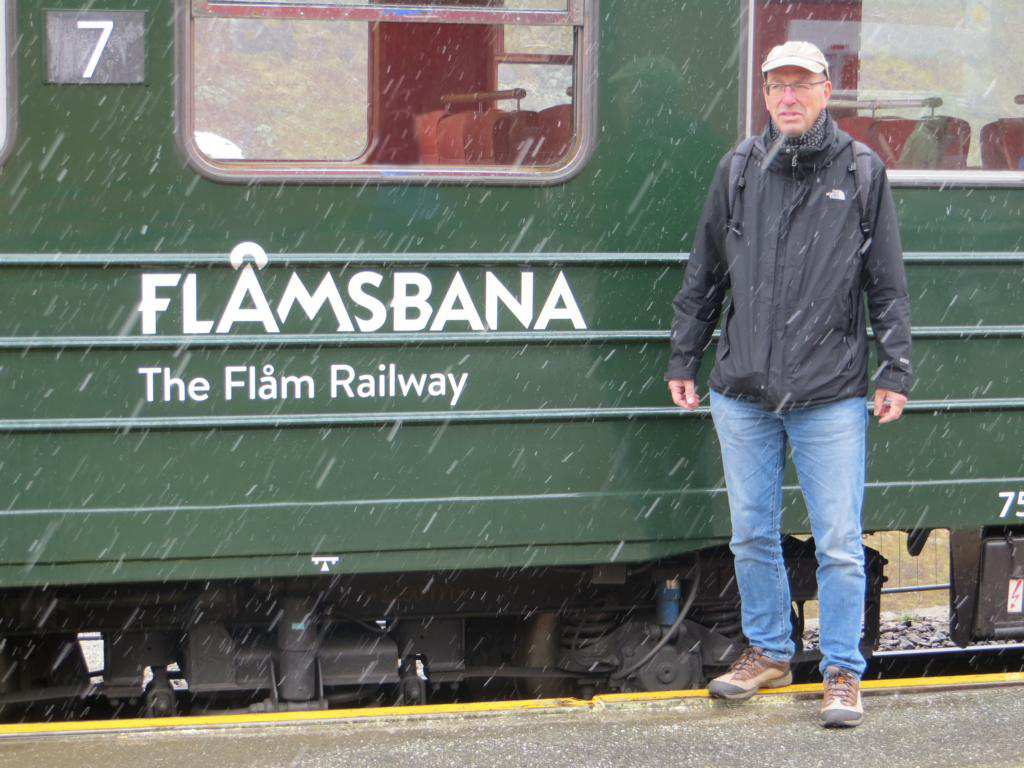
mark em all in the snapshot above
pixel 796 53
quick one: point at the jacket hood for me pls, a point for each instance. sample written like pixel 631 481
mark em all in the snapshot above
pixel 807 159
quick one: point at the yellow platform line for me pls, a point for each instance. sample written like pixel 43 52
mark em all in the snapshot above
pixel 266 718
pixel 487 707
pixel 913 683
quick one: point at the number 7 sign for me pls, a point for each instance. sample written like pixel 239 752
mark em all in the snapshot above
pixel 106 27
pixel 100 47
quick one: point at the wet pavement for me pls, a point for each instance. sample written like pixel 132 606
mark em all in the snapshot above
pixel 951 728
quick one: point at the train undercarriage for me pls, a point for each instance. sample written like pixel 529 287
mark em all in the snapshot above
pixel 412 638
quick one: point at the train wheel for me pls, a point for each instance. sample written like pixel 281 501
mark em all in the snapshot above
pixel 412 689
pixel 161 701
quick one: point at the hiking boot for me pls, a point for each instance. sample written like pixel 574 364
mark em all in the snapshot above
pixel 841 706
pixel 752 670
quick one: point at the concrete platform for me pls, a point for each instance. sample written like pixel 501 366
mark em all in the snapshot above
pixel 980 727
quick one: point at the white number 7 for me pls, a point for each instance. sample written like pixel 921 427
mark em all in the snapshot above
pixel 106 28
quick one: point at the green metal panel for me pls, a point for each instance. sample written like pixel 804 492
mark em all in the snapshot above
pixel 562 446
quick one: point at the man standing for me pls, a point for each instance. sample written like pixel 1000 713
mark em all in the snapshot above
pixel 799 225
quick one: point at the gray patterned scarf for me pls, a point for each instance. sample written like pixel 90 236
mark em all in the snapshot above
pixel 811 139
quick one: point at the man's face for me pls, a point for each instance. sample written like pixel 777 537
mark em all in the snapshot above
pixel 794 110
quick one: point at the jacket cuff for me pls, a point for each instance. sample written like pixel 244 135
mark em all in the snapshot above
pixel 682 372
pixel 899 384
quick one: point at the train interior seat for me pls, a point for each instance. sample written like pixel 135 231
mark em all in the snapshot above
pixel 456 142
pixel 426 127
pixel 554 135
pixel 523 134
pixel 955 142
pixel 885 135
pixel 395 140
pixel 938 142
pixel 888 136
pixel 858 127
pixel 1002 144
pixel 477 138
pixel 928 143
pixel 495 136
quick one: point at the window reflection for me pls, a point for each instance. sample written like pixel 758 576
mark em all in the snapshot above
pixel 259 86
pixel 928 84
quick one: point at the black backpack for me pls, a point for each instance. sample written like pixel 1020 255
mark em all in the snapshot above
pixel 860 167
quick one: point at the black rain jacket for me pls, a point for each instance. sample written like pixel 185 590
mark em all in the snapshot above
pixel 796 267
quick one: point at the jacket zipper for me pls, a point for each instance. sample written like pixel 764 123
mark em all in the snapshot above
pixel 777 292
pixel 780 269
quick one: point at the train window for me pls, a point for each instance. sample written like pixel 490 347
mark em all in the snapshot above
pixel 6 79
pixel 491 90
pixel 256 83
pixel 932 86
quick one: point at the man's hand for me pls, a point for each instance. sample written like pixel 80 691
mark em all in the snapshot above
pixel 684 394
pixel 888 405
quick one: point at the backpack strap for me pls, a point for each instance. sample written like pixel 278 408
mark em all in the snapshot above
pixel 861 170
pixel 737 168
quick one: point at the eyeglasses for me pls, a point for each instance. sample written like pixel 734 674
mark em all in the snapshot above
pixel 799 89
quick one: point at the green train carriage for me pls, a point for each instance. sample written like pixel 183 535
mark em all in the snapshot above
pixel 333 337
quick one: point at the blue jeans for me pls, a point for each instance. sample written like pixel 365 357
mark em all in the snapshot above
pixel 829 452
